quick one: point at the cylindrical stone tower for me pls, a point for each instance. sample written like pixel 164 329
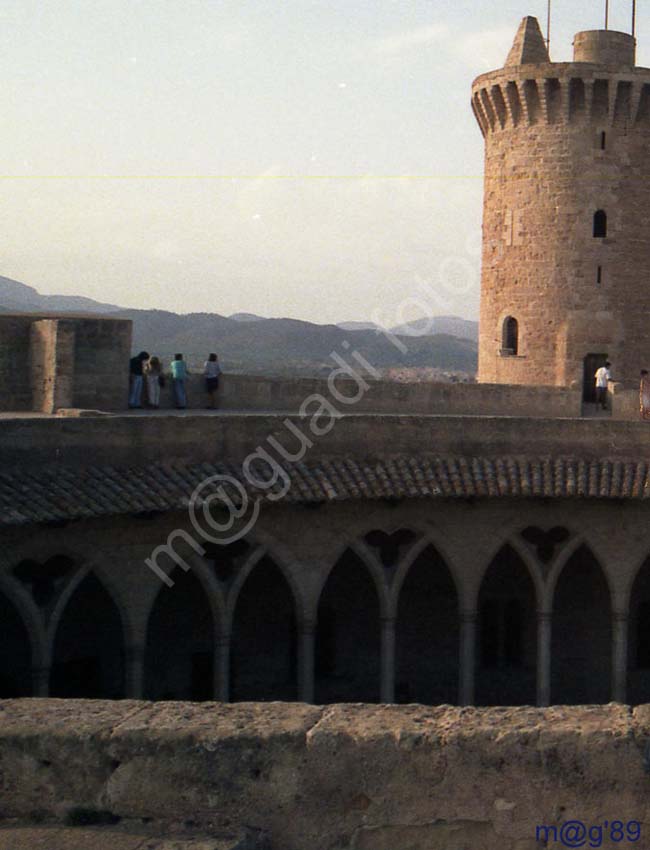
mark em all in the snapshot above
pixel 566 218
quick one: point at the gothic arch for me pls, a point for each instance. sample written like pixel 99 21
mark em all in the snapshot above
pixel 21 600
pixel 573 546
pixel 264 645
pixel 182 628
pixel 581 649
pixel 638 661
pixel 373 567
pixel 427 632
pixel 19 649
pixel 88 642
pixel 347 664
pixel 506 632
pixel 508 540
pixel 425 541
pixel 290 575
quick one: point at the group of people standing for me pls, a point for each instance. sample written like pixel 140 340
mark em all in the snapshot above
pixel 147 377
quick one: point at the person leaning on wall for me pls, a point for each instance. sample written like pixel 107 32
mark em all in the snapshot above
pixel 136 367
pixel 179 374
pixel 155 379
pixel 211 372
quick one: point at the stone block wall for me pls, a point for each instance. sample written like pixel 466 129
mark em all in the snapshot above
pixel 101 360
pixel 246 392
pixel 346 776
pixel 49 362
pixel 15 379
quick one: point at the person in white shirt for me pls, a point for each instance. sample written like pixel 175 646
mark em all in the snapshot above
pixel 603 376
pixel 211 372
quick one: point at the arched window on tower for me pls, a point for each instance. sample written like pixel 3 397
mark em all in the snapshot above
pixel 600 224
pixel 510 336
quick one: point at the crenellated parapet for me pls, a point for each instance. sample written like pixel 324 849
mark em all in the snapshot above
pixel 573 93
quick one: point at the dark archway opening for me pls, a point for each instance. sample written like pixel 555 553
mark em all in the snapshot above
pixel 264 639
pixel 348 635
pixel 179 658
pixel 88 659
pixel 582 633
pixel 507 634
pixel 510 336
pixel 638 681
pixel 427 634
pixel 15 653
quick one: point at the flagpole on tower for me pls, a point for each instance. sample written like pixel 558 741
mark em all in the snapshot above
pixel 634 17
pixel 606 14
pixel 548 27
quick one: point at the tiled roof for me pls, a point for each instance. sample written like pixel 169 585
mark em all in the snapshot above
pixel 67 493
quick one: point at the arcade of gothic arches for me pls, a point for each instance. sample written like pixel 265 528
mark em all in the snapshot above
pixel 391 621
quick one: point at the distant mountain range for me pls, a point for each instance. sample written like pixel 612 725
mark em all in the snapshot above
pixel 250 343
pixel 17 297
pixel 426 326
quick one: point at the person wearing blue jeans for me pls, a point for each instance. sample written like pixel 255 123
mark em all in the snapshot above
pixel 136 365
pixel 179 374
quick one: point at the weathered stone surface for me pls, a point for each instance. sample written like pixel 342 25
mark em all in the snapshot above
pixel 358 776
pixel 124 838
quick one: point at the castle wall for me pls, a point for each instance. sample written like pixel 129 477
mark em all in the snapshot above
pixel 135 440
pixel 102 350
pixel 564 141
pixel 15 377
pixel 369 778
pixel 49 362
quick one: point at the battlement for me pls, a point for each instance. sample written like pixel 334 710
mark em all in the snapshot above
pixel 571 93
pixel 601 85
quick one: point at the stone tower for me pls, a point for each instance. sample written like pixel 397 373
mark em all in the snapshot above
pixel 566 218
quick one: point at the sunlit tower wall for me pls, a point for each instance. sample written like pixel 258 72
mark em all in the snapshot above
pixel 566 216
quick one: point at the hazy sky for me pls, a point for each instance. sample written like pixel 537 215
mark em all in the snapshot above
pixel 242 156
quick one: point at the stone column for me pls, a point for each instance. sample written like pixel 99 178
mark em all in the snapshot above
pixel 306 658
pixel 544 630
pixel 467 656
pixel 41 681
pixel 619 656
pixel 222 669
pixel 388 660
pixel 134 672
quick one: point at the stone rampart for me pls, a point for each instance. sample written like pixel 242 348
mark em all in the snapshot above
pixel 135 440
pixel 345 776
pixel 249 392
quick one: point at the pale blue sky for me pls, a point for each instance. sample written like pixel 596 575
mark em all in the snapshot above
pixel 163 97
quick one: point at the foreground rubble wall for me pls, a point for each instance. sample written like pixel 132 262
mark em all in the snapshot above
pixel 314 778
